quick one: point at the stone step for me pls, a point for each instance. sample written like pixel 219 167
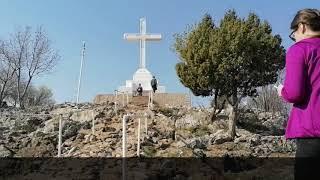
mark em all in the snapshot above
pixel 140 100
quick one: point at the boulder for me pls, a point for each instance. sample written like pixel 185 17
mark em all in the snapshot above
pixel 5 151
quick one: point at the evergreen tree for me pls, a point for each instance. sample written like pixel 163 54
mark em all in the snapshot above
pixel 229 61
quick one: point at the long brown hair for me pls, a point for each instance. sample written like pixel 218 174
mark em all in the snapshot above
pixel 311 17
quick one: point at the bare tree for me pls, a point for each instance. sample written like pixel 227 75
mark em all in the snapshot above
pixel 41 96
pixel 32 56
pixel 7 71
pixel 269 101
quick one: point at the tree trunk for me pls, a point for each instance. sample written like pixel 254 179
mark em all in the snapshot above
pixel 233 115
pixel 22 105
pixel 216 107
pixel 18 100
pixel 2 93
pixel 213 116
pixel 232 121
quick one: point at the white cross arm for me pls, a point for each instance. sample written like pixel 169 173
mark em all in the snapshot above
pixel 148 37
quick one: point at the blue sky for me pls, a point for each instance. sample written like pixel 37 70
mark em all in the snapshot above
pixel 109 59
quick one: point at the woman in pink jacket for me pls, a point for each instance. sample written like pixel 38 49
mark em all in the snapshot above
pixel 302 88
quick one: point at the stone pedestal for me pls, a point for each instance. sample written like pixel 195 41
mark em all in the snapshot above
pixel 141 76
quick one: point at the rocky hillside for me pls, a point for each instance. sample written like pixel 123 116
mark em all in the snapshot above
pixel 171 132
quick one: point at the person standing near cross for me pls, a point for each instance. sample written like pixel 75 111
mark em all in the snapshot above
pixel 140 90
pixel 154 84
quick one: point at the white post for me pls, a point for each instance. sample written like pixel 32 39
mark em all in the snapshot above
pixel 138 147
pixel 124 147
pixel 93 123
pixel 115 102
pixel 116 94
pixel 149 101
pixel 122 99
pixel 80 75
pixel 124 136
pixel 127 98
pixel 146 125
pixel 190 96
pixel 115 108
pixel 60 136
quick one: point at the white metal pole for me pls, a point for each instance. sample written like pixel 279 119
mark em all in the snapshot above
pixel 124 136
pixel 60 136
pixel 138 147
pixel 115 108
pixel 190 96
pixel 80 75
pixel 116 93
pixel 127 98
pixel 93 123
pixel 149 101
pixel 115 103
pixel 123 99
pixel 146 125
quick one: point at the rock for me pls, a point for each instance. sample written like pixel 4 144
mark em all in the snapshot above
pixel 102 154
pixel 25 143
pixel 62 109
pixel 180 144
pixel 51 125
pixel 28 125
pixel 83 116
pixel 155 140
pixel 108 154
pixel 263 122
pixel 87 138
pixel 86 125
pixel 152 133
pixel 17 133
pixel 34 121
pixel 99 115
pixel 199 153
pixel 254 140
pixel 92 138
pixel 163 144
pixel 80 136
pixel 276 125
pixel 150 114
pixel 70 129
pixel 188 121
pixel 197 143
pixel 220 131
pixel 5 151
pixel 92 154
pixel 41 145
pixel 110 114
pixel 72 150
pixel 240 139
pixel 108 129
pixel 222 138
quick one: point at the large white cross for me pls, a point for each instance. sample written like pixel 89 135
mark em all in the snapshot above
pixel 142 37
